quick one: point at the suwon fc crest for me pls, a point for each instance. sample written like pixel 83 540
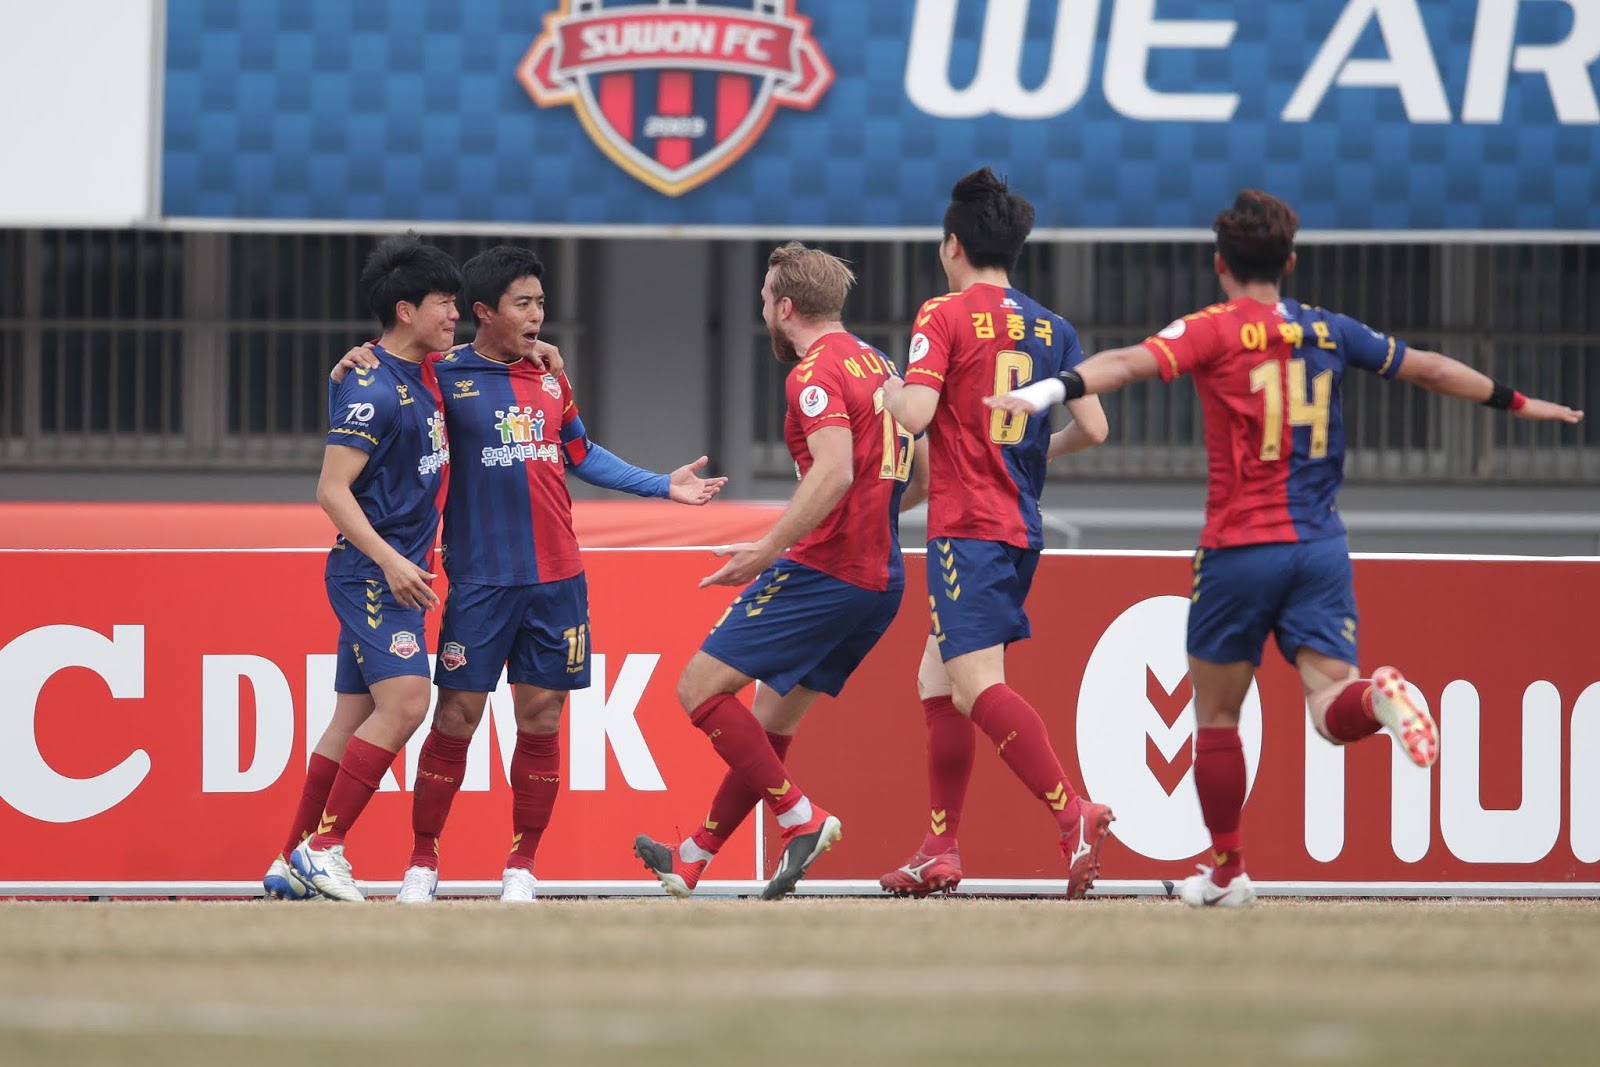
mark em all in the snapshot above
pixel 676 91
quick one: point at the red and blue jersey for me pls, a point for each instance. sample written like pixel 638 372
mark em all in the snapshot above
pixel 393 413
pixel 986 468
pixel 1269 379
pixel 514 428
pixel 839 382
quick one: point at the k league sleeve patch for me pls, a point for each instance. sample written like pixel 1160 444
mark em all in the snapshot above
pixel 813 400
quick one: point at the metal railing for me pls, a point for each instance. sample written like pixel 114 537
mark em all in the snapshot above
pixel 207 350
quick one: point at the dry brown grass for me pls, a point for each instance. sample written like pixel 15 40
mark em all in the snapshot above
pixel 842 982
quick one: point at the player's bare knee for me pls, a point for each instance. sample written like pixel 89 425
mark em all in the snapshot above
pixel 457 713
pixel 541 716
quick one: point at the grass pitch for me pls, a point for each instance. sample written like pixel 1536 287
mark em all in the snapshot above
pixel 840 982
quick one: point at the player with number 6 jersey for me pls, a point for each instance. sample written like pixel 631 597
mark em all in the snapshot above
pixel 1272 557
pixel 986 471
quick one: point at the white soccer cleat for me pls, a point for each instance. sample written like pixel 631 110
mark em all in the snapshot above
pixel 418 886
pixel 518 886
pixel 327 870
pixel 1409 721
pixel 1199 891
pixel 283 882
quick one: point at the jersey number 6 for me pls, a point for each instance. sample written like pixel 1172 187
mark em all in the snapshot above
pixel 1011 369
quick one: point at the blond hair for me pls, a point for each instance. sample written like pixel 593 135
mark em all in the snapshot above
pixel 814 281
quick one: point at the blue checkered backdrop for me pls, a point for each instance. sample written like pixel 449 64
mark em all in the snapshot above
pixel 1367 115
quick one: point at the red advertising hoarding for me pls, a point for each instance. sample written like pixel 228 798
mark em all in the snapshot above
pixel 155 708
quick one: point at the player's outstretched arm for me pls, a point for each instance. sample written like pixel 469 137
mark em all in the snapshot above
pixel 340 466
pixel 685 485
pixel 1104 372
pixel 1087 429
pixel 819 492
pixel 1439 373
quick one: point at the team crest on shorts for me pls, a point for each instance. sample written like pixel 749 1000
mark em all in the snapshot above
pixel 674 92
pixel 404 644
pixel 453 655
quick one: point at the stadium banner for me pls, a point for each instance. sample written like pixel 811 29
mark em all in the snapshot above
pixel 653 116
pixel 157 707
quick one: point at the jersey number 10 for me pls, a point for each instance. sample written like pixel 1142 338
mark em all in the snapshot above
pixel 897 445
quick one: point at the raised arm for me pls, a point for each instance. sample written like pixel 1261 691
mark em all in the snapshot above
pixel 1450 377
pixel 1104 372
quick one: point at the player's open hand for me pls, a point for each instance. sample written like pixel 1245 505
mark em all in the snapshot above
pixel 745 560
pixel 687 487
pixel 410 584
pixel 1545 411
pixel 547 357
pixel 363 356
pixel 1010 404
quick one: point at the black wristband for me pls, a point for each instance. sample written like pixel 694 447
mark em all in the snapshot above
pixel 1074 383
pixel 1501 397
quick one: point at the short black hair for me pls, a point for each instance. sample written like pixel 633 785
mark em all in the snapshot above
pixel 1255 237
pixel 989 220
pixel 403 268
pixel 490 273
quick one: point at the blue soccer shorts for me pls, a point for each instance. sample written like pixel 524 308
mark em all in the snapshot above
pixel 379 638
pixel 976 590
pixel 797 626
pixel 1301 592
pixel 539 633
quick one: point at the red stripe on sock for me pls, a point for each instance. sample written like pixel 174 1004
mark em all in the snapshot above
pixel 1350 716
pixel 1219 778
pixel 320 773
pixel 362 768
pixel 733 801
pixel 440 768
pixel 535 784
pixel 1024 744
pixel 952 745
pixel 745 748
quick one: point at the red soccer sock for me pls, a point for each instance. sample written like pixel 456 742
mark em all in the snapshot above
pixel 535 782
pixel 1350 715
pixel 1024 744
pixel 952 744
pixel 1219 778
pixel 733 801
pixel 440 768
pixel 743 746
pixel 320 773
pixel 362 768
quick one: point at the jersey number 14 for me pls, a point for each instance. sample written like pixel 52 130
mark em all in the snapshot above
pixel 1307 407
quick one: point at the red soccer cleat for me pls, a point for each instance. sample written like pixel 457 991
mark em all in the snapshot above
pixel 676 876
pixel 925 875
pixel 1081 846
pixel 801 846
pixel 1409 721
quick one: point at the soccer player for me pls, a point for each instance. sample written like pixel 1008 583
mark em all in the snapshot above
pixel 1272 556
pixel 821 586
pixel 518 594
pixel 986 472
pixel 383 481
